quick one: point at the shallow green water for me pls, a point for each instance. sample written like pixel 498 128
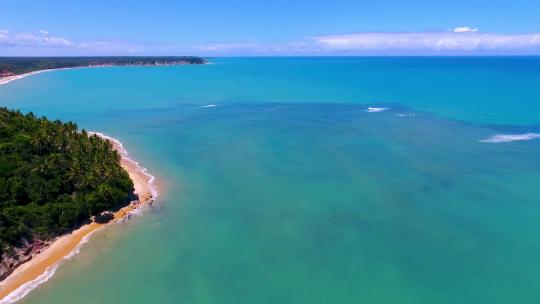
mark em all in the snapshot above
pixel 289 191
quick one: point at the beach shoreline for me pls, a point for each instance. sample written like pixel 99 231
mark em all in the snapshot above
pixel 8 79
pixel 43 265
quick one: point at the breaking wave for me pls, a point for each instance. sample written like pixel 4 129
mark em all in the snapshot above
pixel 376 110
pixel 502 138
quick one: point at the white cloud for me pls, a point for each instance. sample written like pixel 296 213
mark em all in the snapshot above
pixel 38 39
pixel 230 46
pixel 110 46
pixel 461 40
pixel 464 29
pixel 41 42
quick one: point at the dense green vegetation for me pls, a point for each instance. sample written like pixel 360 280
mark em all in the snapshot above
pixel 20 65
pixel 53 177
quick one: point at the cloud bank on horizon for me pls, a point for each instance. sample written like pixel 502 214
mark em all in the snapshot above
pixel 462 40
pixel 36 39
pixel 459 39
pixel 42 43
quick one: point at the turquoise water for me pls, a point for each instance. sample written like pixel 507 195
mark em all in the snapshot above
pixel 289 191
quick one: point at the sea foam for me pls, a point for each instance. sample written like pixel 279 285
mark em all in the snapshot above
pixel 405 115
pixel 376 110
pixel 24 289
pixel 502 138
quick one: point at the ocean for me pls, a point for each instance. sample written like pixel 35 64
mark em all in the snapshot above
pixel 311 180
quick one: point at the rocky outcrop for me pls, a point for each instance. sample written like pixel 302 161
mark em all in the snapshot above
pixel 104 217
pixel 6 74
pixel 16 256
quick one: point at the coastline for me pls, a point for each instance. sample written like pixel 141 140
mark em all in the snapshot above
pixel 42 266
pixel 8 79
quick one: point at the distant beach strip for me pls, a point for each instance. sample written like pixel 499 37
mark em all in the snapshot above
pixel 8 79
pixel 13 68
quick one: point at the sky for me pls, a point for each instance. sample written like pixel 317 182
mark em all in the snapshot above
pixel 269 28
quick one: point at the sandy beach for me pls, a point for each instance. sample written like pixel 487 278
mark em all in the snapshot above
pixel 7 79
pixel 42 266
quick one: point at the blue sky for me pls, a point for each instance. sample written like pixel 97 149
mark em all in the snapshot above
pixel 237 27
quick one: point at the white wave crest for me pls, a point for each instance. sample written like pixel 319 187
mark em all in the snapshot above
pixel 502 138
pixel 132 214
pixel 209 106
pixel 376 110
pixel 83 241
pixel 405 114
pixel 24 289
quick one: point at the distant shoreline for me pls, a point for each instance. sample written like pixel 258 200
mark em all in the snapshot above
pixel 42 266
pixel 8 79
pixel 13 68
